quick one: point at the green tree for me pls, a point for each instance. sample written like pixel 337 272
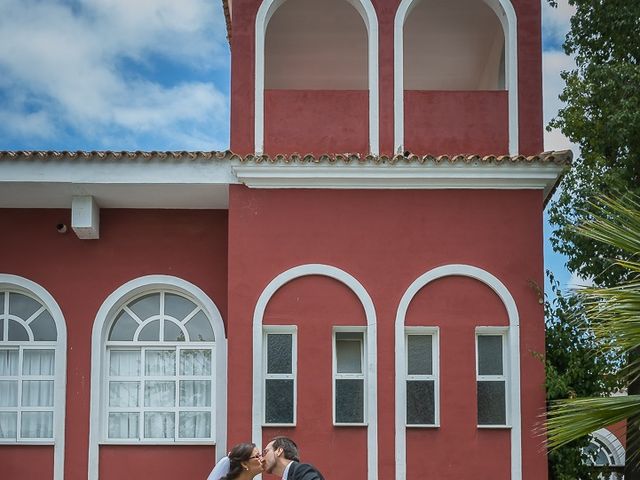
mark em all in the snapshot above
pixel 572 370
pixel 613 317
pixel 602 116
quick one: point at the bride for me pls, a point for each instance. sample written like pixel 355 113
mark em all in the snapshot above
pixel 243 462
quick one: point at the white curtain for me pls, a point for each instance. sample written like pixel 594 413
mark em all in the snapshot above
pixel 8 424
pixel 195 362
pixel 8 362
pixel 37 425
pixel 159 425
pixel 195 393
pixel 38 362
pixel 8 393
pixel 195 424
pixel 37 393
pixel 159 394
pixel 124 363
pixel 123 425
pixel 124 394
pixel 160 362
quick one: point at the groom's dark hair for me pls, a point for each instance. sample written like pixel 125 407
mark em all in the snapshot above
pixel 288 446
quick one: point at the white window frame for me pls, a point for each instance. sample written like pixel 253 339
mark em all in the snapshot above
pixel 142 347
pixel 141 409
pixel 504 333
pixel 21 285
pixel 280 329
pixel 434 332
pixel 349 376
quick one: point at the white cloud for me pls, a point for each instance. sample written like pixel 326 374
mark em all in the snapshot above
pixel 556 22
pixel 81 67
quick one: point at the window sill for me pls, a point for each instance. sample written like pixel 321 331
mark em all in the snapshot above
pixel 436 425
pixel 8 441
pixel 494 427
pixel 157 442
pixel 350 424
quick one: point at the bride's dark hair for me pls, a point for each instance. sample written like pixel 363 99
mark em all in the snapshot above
pixel 238 454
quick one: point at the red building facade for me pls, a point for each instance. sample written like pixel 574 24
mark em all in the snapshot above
pixel 376 295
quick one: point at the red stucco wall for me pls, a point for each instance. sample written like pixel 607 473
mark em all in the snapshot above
pixel 440 122
pixel 386 239
pixel 80 274
pixel 339 121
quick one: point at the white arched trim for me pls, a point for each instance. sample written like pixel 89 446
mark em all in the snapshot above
pixel 507 16
pixel 370 314
pixel 613 444
pixel 15 282
pixel 514 360
pixel 368 14
pixel 101 325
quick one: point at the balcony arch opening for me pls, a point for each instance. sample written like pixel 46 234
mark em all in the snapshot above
pixel 316 77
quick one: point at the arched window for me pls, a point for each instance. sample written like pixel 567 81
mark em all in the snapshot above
pixel 160 344
pixel 605 450
pixel 159 374
pixel 32 367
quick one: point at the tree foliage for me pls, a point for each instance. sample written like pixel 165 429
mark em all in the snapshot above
pixel 613 319
pixel 573 369
pixel 602 116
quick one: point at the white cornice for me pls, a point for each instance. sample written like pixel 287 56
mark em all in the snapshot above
pixel 444 175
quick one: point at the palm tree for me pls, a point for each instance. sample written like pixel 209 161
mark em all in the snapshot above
pixel 614 317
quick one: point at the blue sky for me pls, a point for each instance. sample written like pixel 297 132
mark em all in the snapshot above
pixel 153 75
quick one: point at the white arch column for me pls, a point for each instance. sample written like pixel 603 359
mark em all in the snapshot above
pixel 370 315
pixel 368 14
pixel 514 360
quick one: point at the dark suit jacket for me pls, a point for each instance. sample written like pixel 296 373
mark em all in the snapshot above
pixel 303 471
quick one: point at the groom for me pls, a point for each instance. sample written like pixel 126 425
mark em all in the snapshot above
pixel 280 457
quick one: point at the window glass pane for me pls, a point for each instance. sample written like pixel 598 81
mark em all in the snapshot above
pixel 489 354
pixel 279 352
pixel 1 329
pixel 150 332
pixel 124 394
pixel 491 403
pixel 160 362
pixel 194 424
pixel 36 425
pixel 195 393
pixel 348 355
pixel 172 332
pixel 159 394
pixel 123 328
pixel 8 424
pixel 159 425
pixel 419 355
pixel 279 401
pixel 1 303
pixel 421 403
pixel 22 306
pixel 349 401
pixel 17 332
pixel 8 393
pixel 177 306
pixel 195 362
pixel 146 306
pixel 38 362
pixel 199 328
pixel 123 425
pixel 8 362
pixel 37 393
pixel 44 328
pixel 124 363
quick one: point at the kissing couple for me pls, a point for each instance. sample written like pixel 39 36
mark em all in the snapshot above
pixel 280 457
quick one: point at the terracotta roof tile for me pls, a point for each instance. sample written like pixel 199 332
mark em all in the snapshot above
pixel 562 157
